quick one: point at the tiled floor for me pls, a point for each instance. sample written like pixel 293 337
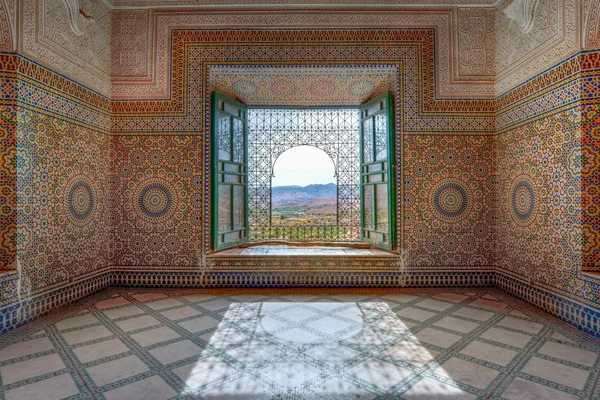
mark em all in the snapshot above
pixel 412 344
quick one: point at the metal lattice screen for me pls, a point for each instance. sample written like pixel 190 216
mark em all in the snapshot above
pixel 273 131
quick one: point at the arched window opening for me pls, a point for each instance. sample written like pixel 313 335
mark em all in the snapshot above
pixel 304 190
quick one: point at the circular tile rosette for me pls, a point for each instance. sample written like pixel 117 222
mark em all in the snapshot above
pixel 361 87
pixel 323 88
pixel 77 200
pixel 451 200
pixel 154 200
pixel 527 199
pixel 523 200
pixel 244 88
pixel 283 88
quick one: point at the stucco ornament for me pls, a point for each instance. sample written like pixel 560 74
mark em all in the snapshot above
pixel 79 20
pixel 522 12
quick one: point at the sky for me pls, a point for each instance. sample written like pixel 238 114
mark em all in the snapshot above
pixel 303 165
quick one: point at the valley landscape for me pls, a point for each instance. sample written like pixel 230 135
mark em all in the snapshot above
pixel 304 205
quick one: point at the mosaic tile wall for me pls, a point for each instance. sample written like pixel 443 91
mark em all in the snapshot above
pixel 547 169
pixel 61 155
pixel 486 183
pixel 447 183
pixel 156 200
pixel 8 172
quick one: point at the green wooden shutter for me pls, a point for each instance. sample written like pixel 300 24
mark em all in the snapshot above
pixel 229 173
pixel 377 172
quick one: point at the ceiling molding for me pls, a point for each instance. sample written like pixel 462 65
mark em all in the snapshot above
pixel 285 4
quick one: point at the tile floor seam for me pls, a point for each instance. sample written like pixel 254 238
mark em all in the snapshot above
pixel 521 360
pixel 72 364
pixel 48 319
pixel 453 351
pixel 137 350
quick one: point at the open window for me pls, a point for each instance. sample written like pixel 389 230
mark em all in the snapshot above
pixel 378 222
pixel 230 172
pixel 360 142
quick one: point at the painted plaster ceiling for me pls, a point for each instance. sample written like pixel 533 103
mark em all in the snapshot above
pixel 302 86
pixel 292 3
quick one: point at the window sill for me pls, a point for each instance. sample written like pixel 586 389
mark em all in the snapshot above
pixel 284 251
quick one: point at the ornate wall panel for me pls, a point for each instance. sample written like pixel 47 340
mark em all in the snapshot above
pixel 7 27
pixel 303 86
pixel 449 83
pixel 63 231
pixel 410 51
pixel 590 162
pixel 547 172
pixel 448 181
pixel 591 33
pixel 76 44
pixel 476 35
pixel 61 157
pixel 156 200
pixel 552 35
pixel 8 161
pixel 130 38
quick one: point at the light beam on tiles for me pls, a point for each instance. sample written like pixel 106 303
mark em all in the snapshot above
pixel 279 336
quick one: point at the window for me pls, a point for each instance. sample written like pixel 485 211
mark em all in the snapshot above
pixel 247 144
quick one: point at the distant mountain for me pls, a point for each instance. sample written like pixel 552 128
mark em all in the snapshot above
pixel 295 195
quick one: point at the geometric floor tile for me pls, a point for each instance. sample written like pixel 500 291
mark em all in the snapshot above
pixel 522 389
pixel 569 353
pixel 75 322
pixel 93 352
pixel 254 352
pixel 467 372
pixel 380 373
pixel 434 304
pixel 490 353
pixel 332 354
pixel 203 372
pixel 411 353
pixel 555 372
pixel 290 373
pixel 55 388
pixel 415 314
pixel 339 389
pixel 180 313
pixel 473 313
pixel 30 368
pixel 112 371
pixel 133 324
pixel 241 389
pixel 438 344
pixel 455 324
pixel 506 337
pixel 522 325
pixel 123 312
pixel 173 352
pixel 154 336
pixel 437 337
pixel 86 334
pixel 430 389
pixel 199 324
pixel 25 348
pixel 150 388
